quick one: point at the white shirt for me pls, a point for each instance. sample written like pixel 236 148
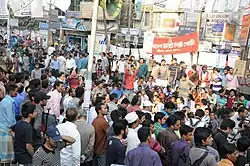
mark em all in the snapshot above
pixel 199 124
pixel 121 66
pixel 70 155
pixel 62 63
pixel 132 139
pixel 51 50
pixel 91 115
pixel 70 63
pixel 66 101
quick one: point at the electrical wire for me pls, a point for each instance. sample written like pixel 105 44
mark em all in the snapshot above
pixel 24 6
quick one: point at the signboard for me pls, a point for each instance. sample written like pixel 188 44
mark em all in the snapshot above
pixel 215 25
pixel 229 32
pixel 245 27
pixel 138 9
pixel 175 45
pixel 239 68
pixel 3 9
pixel 44 26
pixel 183 30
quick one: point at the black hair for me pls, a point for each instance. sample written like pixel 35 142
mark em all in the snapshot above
pixel 119 125
pixel 57 84
pixel 44 76
pixel 32 93
pixel 171 120
pixel 201 134
pixel 113 96
pixel 12 77
pixel 169 105
pixel 159 115
pixel 227 149
pixel 11 88
pixel 204 101
pixel 125 101
pixel 143 134
pixel 243 143
pixel 147 123
pixel 20 89
pixel 60 74
pixel 45 83
pixel 180 114
pixel 140 114
pixel 98 107
pixel 79 91
pixel 184 130
pixel 148 116
pixel 242 109
pixel 71 114
pixel 135 100
pixel 227 123
pixel 115 115
pixel 28 108
pixel 199 113
pixel 19 77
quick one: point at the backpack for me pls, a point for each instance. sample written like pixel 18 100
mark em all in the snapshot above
pixel 194 125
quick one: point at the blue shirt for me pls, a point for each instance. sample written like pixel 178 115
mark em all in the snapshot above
pixel 18 100
pixel 83 63
pixel 143 155
pixel 54 64
pixel 7 113
pixel 118 92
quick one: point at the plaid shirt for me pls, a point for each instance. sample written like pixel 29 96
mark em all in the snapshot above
pixel 158 128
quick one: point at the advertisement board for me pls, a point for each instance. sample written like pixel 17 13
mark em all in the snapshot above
pixel 175 45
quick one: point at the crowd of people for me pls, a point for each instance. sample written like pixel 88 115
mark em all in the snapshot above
pixel 143 113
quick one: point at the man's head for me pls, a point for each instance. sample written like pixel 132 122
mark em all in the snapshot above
pixel 58 86
pixel 242 112
pixel 101 109
pixel 12 90
pixel 72 92
pixel 28 110
pixel 181 115
pixel 71 114
pixel 144 134
pixel 132 119
pixel 125 102
pixel 141 61
pixel 41 98
pixel 116 115
pixel 243 143
pixel 184 77
pixel 113 97
pixel 149 123
pixel 160 117
pixel 37 65
pixel 227 126
pixel 204 68
pixel 174 61
pixel 136 100
pixel 62 76
pixel 163 62
pixel 186 132
pixel 203 136
pixel 173 122
pixel 120 128
pixel 199 114
pixel 99 84
pixel 53 136
pixel 229 151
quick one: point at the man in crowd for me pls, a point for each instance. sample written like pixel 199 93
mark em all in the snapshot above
pixel 87 133
pixel 143 154
pixel 116 148
pixel 49 153
pixel 70 156
pixel 101 126
pixel 23 134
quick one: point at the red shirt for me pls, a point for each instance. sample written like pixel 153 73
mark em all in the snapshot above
pixel 231 101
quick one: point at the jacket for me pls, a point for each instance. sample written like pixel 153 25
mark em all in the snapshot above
pixel 142 71
pixel 196 153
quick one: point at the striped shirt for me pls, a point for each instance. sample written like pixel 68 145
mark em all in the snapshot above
pixel 46 157
pixel 218 84
pixel 173 69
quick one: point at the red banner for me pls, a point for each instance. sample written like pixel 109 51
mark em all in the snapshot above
pixel 175 45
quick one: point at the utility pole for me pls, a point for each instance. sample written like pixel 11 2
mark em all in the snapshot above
pixel 129 21
pixel 8 23
pixel 88 82
pixel 49 42
pixel 105 29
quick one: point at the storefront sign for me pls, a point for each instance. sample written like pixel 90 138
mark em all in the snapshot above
pixel 183 30
pixel 3 9
pixel 215 25
pixel 245 27
pixel 175 45
pixel 240 67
